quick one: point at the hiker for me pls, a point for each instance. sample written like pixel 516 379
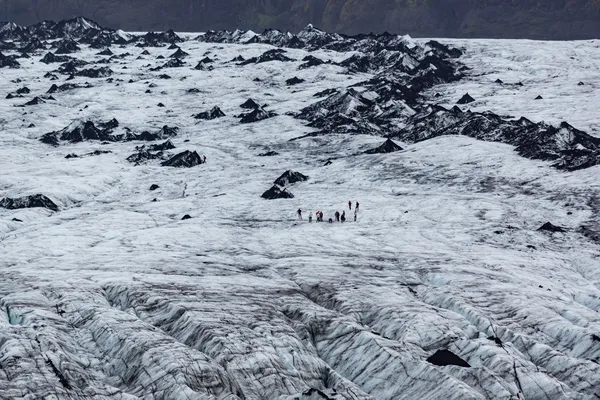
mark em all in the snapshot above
pixel 204 159
pixel 337 216
pixel 330 221
pixel 343 217
pixel 355 212
pixel 310 217
pixel 321 216
pixel 349 204
pixel 356 208
pixel 299 214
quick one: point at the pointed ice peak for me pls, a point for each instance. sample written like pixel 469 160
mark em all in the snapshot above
pixel 8 26
pixel 124 35
pixel 409 41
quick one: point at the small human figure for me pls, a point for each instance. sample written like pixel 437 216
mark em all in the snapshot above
pixel 310 217
pixel 330 221
pixel 355 213
pixel 321 216
pixel 356 208
pixel 349 204
pixel 343 217
pixel 299 214
pixel 337 216
pixel 204 159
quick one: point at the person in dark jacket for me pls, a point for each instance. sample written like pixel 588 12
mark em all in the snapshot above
pixel 343 217
pixel 349 204
pixel 330 221
pixel 337 216
pixel 356 208
pixel 299 214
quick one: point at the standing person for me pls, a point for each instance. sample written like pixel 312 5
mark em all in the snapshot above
pixel 343 217
pixel 321 215
pixel 355 213
pixel 337 216
pixel 299 214
pixel 204 159
pixel 349 204
pixel 310 217
pixel 356 208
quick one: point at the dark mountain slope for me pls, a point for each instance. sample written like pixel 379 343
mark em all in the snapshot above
pixel 550 19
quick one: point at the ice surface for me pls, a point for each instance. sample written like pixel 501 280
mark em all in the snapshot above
pixel 114 296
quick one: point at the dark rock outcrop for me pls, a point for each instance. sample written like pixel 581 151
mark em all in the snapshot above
pixel 551 228
pixel 275 192
pixel 8 61
pixel 294 81
pixel 34 102
pixel 33 45
pixel 33 201
pixel 106 52
pixel 250 104
pixel 466 99
pixel 66 46
pixel 185 159
pixel 310 61
pixel 289 177
pixel 179 54
pixel 567 147
pixel 159 39
pixel 51 58
pixel 144 155
pixel 102 72
pixel 269 55
pixel 268 154
pixel 446 357
pixel 258 114
pixel 387 147
pixel 214 113
pixel 167 145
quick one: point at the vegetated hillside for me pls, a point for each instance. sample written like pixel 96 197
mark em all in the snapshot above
pixel 551 19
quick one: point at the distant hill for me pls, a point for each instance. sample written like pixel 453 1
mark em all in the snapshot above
pixel 548 19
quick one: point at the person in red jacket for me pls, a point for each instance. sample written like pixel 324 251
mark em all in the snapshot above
pixel 349 204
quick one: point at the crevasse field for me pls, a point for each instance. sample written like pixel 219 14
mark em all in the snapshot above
pixel 114 296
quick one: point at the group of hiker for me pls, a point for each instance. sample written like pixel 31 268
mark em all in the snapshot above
pixel 338 217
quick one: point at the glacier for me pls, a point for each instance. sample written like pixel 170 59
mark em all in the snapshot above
pixel 153 282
